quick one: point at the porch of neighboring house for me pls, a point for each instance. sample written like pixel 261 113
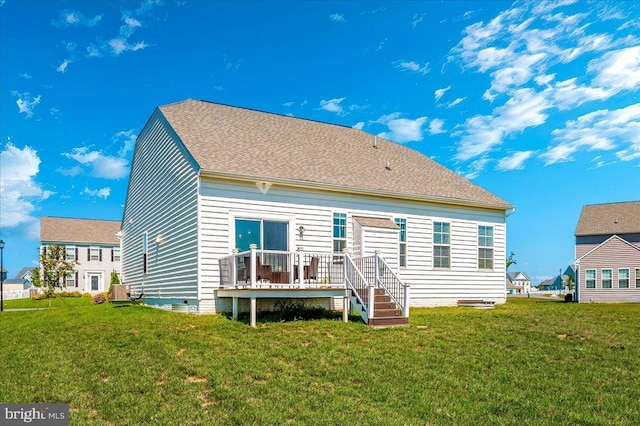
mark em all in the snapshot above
pixel 272 274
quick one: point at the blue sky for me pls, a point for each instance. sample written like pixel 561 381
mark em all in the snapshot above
pixel 537 102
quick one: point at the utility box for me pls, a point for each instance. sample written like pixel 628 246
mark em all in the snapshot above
pixel 120 292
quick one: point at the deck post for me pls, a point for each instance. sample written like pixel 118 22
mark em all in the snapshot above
pixel 372 300
pixel 252 317
pixel 234 268
pixel 345 308
pixel 300 265
pixel 407 298
pixel 254 269
pixel 377 273
pixel 234 309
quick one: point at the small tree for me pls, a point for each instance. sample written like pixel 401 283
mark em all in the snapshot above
pixel 570 282
pixel 511 260
pixel 54 266
pixel 115 280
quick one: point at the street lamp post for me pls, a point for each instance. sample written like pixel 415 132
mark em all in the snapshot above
pixel 1 277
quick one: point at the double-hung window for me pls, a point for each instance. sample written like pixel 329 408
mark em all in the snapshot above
pixel 590 278
pixel 623 278
pixel 402 224
pixel 441 245
pixel 115 254
pixel 94 254
pixel 637 277
pixel 339 232
pixel 607 276
pixel 485 247
pixel 70 279
pixel 70 252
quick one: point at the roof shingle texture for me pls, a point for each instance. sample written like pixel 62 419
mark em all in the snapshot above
pixel 609 219
pixel 244 142
pixel 376 222
pixel 86 231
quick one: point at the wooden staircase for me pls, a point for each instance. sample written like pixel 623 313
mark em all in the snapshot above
pixel 386 313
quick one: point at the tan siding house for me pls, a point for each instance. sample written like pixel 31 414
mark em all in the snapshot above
pixel 230 208
pixel 608 253
pixel 92 243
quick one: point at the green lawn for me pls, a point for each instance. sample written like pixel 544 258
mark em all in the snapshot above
pixel 527 362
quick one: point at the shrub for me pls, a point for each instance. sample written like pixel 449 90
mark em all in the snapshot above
pixel 100 298
pixel 86 295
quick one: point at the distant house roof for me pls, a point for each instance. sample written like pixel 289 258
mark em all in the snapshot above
pixel 243 143
pixel 609 219
pixel 520 276
pixel 87 231
pixel 24 272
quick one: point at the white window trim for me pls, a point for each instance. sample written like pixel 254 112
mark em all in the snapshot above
pixel 492 247
pixel 66 254
pixel 346 229
pixel 400 242
pixel 595 279
pixel 433 236
pixel 602 278
pixel 91 249
pixel 628 277
pixel 291 231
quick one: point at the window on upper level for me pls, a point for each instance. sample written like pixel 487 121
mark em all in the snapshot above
pixel 606 276
pixel 71 253
pixel 402 224
pixel 485 247
pixel 441 245
pixel 95 254
pixel 115 254
pixel 623 278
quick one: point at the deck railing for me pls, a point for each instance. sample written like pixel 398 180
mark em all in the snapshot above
pixel 258 268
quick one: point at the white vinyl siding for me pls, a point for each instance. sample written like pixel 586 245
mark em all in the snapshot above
pixel 220 202
pixel 162 201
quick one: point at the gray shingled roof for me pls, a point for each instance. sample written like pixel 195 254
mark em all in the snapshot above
pixel 228 140
pixel 609 219
pixel 87 231
pixel 376 222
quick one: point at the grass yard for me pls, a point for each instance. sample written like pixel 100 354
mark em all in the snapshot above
pixel 531 361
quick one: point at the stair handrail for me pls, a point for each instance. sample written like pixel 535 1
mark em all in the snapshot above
pixel 402 288
pixel 349 267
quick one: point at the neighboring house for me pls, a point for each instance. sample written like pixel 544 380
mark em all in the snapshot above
pixel 92 243
pixel 22 281
pixel 558 282
pixel 518 283
pixel 608 253
pixel 227 205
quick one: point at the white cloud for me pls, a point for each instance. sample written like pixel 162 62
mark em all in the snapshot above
pixel 25 76
pixel 100 193
pixel 515 161
pixel 617 70
pixel 63 66
pixel 601 130
pixel 440 92
pixel 413 66
pixel 102 166
pixel 128 140
pixel 19 190
pixel 73 171
pixel 417 18
pixel 288 104
pixel 337 17
pixel 455 102
pixel 72 18
pixel 435 127
pixel 26 103
pixel 332 105
pixel 402 130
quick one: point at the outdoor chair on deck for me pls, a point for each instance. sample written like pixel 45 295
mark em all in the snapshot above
pixel 263 272
pixel 310 270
